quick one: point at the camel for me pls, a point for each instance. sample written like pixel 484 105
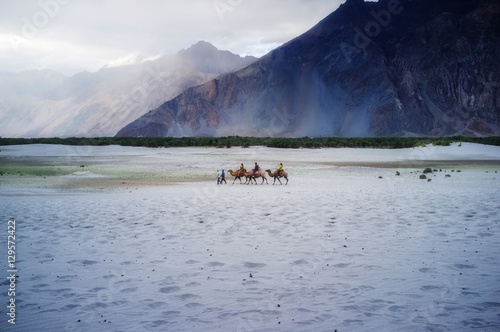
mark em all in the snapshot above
pixel 276 176
pixel 258 174
pixel 238 174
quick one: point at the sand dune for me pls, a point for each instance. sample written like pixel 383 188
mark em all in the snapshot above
pixel 342 246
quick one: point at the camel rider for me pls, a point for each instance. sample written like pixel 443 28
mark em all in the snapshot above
pixel 280 169
pixel 256 169
pixel 240 172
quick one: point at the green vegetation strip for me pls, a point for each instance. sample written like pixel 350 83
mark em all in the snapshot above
pixel 227 142
pixel 21 170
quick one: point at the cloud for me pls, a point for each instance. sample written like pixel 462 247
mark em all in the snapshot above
pixel 129 59
pixel 72 36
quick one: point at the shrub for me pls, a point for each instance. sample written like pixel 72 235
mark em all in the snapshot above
pixel 420 143
pixel 423 177
pixel 427 170
pixel 445 142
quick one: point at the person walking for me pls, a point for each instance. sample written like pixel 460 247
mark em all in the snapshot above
pixel 223 177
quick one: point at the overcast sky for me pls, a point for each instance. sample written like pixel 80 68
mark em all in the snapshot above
pixel 76 35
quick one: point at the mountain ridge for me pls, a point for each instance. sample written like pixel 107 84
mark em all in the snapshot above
pixel 387 68
pixel 47 104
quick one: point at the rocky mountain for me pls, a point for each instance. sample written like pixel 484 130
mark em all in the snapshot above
pixel 46 103
pixel 386 68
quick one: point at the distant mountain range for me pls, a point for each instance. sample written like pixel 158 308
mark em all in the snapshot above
pixel 386 68
pixel 47 104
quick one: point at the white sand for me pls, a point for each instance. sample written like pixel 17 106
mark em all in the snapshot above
pixel 337 248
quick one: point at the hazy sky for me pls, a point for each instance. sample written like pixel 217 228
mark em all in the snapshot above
pixel 76 35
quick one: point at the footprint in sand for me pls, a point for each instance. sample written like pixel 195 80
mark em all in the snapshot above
pixel 215 264
pixel 429 288
pixel 250 265
pixel 170 289
pixel 129 290
pixel 188 297
pixel 156 305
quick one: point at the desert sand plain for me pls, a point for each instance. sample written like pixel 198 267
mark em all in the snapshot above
pixel 138 239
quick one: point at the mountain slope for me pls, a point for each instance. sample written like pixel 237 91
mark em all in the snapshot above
pixel 45 103
pixel 368 69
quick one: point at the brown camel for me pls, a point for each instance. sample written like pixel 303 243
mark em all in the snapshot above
pixel 276 175
pixel 258 174
pixel 238 174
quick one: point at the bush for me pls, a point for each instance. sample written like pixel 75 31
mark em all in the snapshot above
pixel 423 177
pixel 420 143
pixel 443 143
pixel 427 170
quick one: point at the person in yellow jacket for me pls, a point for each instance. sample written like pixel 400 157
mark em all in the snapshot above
pixel 280 169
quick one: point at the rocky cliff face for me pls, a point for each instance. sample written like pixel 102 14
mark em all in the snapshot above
pixel 47 104
pixel 369 69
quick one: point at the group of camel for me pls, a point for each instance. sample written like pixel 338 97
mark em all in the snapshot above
pixel 259 174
